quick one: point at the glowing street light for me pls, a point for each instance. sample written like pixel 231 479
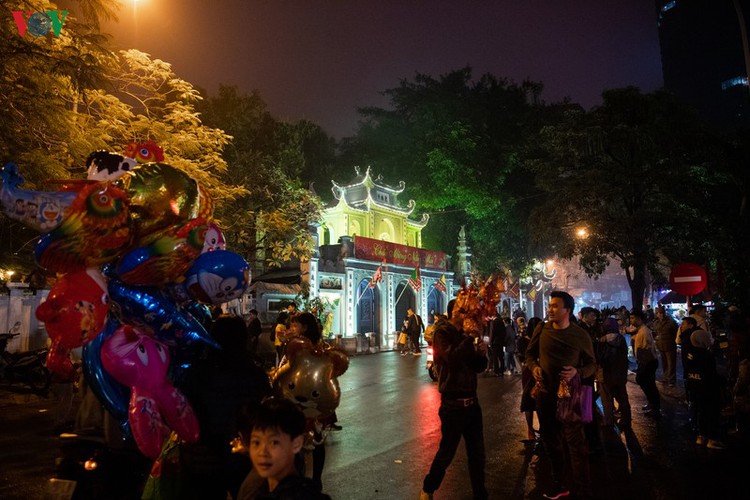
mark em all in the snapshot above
pixel 582 233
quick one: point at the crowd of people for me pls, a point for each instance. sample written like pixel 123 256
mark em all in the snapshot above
pixel 563 358
pixel 580 359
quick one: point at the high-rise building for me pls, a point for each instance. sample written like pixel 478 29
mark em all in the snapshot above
pixel 705 56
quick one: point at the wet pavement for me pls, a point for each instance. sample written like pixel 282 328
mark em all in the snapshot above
pixel 391 431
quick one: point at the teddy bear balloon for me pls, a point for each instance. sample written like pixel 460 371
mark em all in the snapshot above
pixel 309 378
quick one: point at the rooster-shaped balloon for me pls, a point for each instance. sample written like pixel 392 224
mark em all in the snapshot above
pixel 94 229
pixel 145 152
pixel 138 361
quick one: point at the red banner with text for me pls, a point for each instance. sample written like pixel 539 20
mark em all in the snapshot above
pixel 401 255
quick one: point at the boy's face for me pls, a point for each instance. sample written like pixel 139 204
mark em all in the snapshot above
pixel 272 453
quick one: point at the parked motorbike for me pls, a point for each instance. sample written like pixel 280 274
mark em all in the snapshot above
pixel 87 468
pixel 27 368
pixel 431 363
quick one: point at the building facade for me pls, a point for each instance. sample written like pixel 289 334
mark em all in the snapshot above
pixel 369 229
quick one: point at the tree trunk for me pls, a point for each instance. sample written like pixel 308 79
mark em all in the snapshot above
pixel 638 285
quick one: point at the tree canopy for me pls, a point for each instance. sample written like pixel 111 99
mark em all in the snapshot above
pixel 271 222
pixel 633 178
pixel 458 143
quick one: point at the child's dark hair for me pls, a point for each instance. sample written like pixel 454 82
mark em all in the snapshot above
pixel 312 331
pixel 278 413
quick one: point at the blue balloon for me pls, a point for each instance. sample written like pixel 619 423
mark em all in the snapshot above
pixel 114 396
pixel 217 277
pixel 151 308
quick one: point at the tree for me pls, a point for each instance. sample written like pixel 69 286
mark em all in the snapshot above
pixel 270 222
pixel 64 97
pixel 458 143
pixel 632 179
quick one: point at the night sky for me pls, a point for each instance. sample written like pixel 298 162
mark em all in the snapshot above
pixel 321 59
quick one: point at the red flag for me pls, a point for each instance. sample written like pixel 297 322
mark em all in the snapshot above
pixel 514 290
pixel 416 279
pixel 441 284
pixel 377 277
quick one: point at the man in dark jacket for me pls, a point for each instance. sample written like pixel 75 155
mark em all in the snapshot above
pixel 457 361
pixel 665 329
pixel 562 350
pixel 254 329
pixel 414 327
pixel 497 344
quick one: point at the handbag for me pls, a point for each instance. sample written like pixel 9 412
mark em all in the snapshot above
pixel 402 338
pixel 575 402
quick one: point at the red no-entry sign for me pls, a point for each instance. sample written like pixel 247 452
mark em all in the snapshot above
pixel 687 278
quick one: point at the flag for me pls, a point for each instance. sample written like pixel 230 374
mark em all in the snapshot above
pixel 377 277
pixel 441 284
pixel 416 279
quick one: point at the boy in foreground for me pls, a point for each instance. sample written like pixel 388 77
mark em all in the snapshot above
pixel 277 435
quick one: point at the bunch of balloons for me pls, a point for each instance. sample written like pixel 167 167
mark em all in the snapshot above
pixel 138 259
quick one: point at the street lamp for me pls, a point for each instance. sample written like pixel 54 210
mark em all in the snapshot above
pixel 582 233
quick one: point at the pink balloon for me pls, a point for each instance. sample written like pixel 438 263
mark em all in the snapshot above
pixel 140 362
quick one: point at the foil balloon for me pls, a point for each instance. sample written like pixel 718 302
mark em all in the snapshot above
pixel 39 210
pixel 310 377
pixel 161 196
pixel 105 166
pixel 73 314
pixel 201 312
pixel 59 363
pixel 217 277
pixel 76 308
pixel 113 395
pixel 150 308
pixel 214 239
pixel 138 361
pixel 166 258
pixel 145 152
pixel 94 229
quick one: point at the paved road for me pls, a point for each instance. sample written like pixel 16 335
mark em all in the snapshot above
pixel 391 431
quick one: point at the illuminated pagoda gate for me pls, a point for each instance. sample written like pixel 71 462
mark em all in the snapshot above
pixel 369 227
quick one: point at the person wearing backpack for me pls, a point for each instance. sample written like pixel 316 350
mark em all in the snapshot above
pixel 612 356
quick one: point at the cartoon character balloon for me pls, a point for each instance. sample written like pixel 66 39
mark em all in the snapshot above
pixel 73 314
pixel 138 361
pixel 217 277
pixel 310 377
pixel 39 210
pixel 214 239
